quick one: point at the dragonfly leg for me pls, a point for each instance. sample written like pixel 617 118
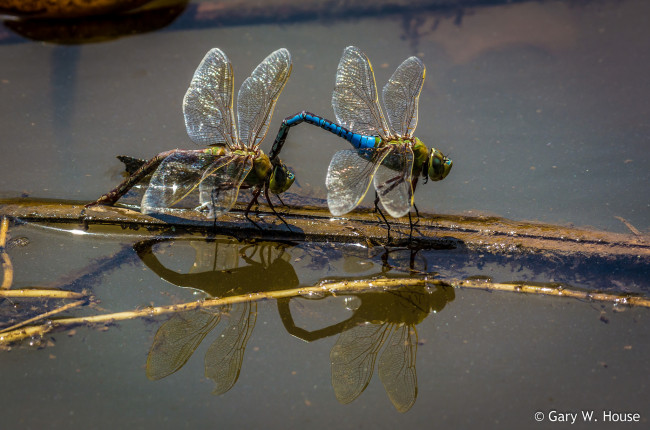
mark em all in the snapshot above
pixel 268 199
pixel 278 196
pixel 256 193
pixel 254 201
pixel 381 213
pixel 116 193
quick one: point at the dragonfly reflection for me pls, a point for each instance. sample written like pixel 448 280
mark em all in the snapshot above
pixel 218 271
pixel 382 318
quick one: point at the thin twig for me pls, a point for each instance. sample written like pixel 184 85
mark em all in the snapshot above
pixel 3 231
pixel 7 267
pixel 9 336
pixel 629 225
pixel 43 315
pixel 41 294
pixel 624 299
pixel 20 334
pixel 7 271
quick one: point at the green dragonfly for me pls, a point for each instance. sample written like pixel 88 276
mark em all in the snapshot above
pixel 232 158
pixel 385 152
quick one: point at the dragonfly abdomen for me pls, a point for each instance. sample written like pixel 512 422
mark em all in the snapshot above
pixel 357 140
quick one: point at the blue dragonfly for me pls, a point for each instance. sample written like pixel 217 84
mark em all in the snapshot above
pixel 385 152
pixel 231 158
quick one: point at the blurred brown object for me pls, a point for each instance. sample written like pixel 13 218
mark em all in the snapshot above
pixel 66 8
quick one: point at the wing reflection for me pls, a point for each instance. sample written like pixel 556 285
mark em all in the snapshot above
pixel 177 339
pixel 383 318
pixel 220 268
pixel 381 328
pixel 224 357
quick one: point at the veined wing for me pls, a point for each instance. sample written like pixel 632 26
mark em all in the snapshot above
pixel 207 106
pixel 393 181
pixel 353 359
pixel 224 357
pixel 176 176
pixel 397 367
pixel 258 94
pixel 349 175
pixel 354 100
pixel 219 187
pixel 177 339
pixel 401 95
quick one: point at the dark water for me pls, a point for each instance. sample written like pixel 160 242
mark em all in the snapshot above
pixel 541 105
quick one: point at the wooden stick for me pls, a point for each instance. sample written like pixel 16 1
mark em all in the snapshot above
pixel 14 334
pixel 40 294
pixel 7 267
pixel 623 299
pixel 4 226
pixel 7 272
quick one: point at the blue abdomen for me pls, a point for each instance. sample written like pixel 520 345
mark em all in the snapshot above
pixel 359 141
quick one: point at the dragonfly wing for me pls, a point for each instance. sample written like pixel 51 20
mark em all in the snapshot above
pixel 176 340
pixel 176 176
pixel 353 359
pixel 349 175
pixel 207 106
pixel 397 367
pixel 401 95
pixel 354 100
pixel 220 185
pixel 393 181
pixel 258 94
pixel 224 358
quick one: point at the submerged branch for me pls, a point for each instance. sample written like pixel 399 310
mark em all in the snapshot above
pixel 481 233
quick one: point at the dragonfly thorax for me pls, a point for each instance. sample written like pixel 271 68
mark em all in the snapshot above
pixel 261 165
pixel 420 154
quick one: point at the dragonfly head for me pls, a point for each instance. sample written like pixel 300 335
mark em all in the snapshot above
pixel 281 178
pixel 439 165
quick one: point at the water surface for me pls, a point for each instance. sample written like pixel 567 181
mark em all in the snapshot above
pixel 541 105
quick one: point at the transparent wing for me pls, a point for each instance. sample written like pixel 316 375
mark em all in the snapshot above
pixel 393 181
pixel 219 188
pixel 401 95
pixel 224 358
pixel 176 340
pixel 354 100
pixel 353 359
pixel 207 106
pixel 258 94
pixel 349 175
pixel 176 176
pixel 397 367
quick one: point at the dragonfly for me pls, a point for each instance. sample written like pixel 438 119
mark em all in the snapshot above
pixel 385 152
pixel 231 158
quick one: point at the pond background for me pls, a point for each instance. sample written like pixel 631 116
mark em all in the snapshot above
pixel 543 107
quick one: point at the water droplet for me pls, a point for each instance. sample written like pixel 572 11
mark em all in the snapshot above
pixel 312 294
pixel 352 303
